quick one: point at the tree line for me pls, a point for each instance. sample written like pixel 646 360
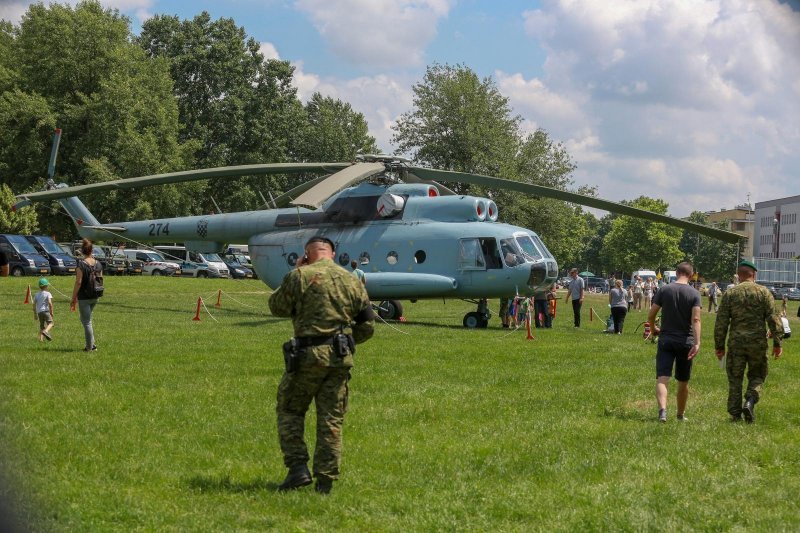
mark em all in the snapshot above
pixel 198 93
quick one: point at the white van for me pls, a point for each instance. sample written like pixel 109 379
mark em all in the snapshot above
pixel 670 276
pixel 196 264
pixel 644 274
pixel 153 263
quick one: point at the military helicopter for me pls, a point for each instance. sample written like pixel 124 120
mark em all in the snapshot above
pixel 414 237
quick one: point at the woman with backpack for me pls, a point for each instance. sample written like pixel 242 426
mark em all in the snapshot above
pixel 88 287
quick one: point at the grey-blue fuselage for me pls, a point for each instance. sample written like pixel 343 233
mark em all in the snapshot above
pixel 432 247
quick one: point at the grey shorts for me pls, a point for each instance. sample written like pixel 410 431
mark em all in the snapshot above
pixel 44 319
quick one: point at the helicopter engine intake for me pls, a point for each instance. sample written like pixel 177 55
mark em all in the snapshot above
pixel 448 209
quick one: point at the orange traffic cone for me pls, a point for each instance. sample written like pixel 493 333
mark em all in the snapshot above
pixel 28 296
pixel 197 314
pixel 219 299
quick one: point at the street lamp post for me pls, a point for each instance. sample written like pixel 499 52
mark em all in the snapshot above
pixel 776 233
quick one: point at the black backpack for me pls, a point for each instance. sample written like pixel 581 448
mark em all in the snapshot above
pixel 92 286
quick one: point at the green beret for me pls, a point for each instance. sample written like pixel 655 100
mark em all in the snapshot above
pixel 749 264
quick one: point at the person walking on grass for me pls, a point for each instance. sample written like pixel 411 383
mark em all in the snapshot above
pixel 331 313
pixel 575 292
pixel 83 295
pixel 713 293
pixel 43 310
pixel 617 299
pixel 741 318
pixel 678 337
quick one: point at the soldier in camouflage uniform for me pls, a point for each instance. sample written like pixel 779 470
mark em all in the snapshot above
pixel 742 314
pixel 323 300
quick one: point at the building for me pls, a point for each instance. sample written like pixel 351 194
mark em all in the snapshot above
pixel 776 227
pixel 740 221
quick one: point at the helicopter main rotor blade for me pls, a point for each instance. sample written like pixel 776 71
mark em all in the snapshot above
pixel 598 203
pixel 315 196
pixel 179 177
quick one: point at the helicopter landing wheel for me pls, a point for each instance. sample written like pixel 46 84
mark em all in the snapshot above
pixel 475 320
pixel 390 310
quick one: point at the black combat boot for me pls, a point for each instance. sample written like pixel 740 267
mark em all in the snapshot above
pixel 298 476
pixel 747 410
pixel 324 485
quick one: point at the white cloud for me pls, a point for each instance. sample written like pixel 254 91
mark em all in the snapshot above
pixel 377 33
pixel 381 98
pixel 13 11
pixel 268 50
pixel 694 102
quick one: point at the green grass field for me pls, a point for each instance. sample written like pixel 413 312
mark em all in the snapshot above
pixel 171 424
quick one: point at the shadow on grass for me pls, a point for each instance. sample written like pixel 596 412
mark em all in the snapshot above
pixel 226 484
pixel 627 414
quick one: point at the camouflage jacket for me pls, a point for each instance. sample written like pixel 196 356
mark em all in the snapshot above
pixel 320 298
pixel 742 315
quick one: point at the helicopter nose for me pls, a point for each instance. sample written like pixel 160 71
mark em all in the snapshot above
pixel 538 274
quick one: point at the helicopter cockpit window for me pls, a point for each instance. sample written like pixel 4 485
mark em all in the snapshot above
pixel 540 245
pixel 471 255
pixel 512 255
pixel 528 248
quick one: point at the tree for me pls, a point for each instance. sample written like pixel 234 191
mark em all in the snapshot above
pixel 334 131
pixel 459 122
pixel 711 258
pixel 238 107
pixel 22 221
pixel 77 69
pixel 633 243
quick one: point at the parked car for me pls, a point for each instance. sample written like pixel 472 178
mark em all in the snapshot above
pixel 23 258
pixel 61 263
pixel 196 264
pixel 238 266
pixel 790 292
pixel 153 263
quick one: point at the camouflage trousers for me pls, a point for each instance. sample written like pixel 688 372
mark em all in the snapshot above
pixel 755 361
pixel 327 386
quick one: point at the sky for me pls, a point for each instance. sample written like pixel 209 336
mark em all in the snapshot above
pixel 695 102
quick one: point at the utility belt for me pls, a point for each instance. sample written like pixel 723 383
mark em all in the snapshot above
pixel 343 345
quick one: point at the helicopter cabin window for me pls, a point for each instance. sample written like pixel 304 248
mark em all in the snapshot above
pixel 528 248
pixel 420 256
pixel 512 255
pixel 392 258
pixel 471 256
pixel 344 259
pixel 491 255
pixel 364 258
pixel 291 259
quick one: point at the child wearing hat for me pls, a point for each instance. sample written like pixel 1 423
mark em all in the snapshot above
pixel 43 310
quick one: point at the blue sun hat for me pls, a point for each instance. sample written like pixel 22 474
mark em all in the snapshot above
pixel 43 282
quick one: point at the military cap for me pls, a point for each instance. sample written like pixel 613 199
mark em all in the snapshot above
pixel 748 264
